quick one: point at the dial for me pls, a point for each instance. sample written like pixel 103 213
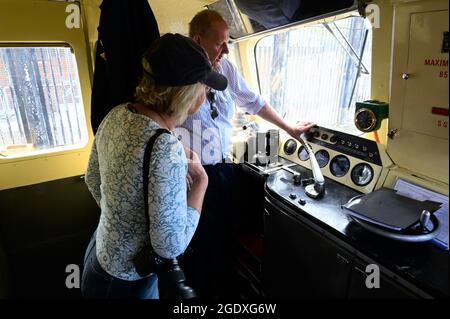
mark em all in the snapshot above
pixel 362 174
pixel 365 120
pixel 290 146
pixel 333 139
pixel 303 154
pixel 339 165
pixel 323 157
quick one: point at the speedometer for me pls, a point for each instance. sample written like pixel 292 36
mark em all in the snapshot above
pixel 323 157
pixel 290 146
pixel 362 174
pixel 303 154
pixel 339 165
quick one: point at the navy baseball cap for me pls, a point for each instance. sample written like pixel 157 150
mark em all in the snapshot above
pixel 176 60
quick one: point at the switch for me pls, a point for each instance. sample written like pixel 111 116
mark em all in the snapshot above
pixel 292 196
pixel 302 201
pixel 297 179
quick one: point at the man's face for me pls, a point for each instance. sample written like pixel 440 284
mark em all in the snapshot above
pixel 215 41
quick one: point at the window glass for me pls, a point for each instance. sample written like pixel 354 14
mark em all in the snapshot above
pixel 41 107
pixel 315 73
pixel 234 56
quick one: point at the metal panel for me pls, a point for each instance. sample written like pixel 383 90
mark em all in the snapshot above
pixel 419 139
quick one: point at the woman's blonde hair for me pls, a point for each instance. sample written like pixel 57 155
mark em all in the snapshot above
pixel 170 100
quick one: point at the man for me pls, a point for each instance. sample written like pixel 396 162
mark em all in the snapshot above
pixel 209 135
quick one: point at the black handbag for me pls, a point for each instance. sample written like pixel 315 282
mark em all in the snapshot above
pixel 171 278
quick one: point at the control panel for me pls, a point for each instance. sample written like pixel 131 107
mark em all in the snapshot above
pixel 355 146
pixel 350 160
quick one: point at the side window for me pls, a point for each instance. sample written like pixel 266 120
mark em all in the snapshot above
pixel 234 56
pixel 41 107
pixel 316 72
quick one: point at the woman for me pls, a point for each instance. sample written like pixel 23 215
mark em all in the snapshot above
pixel 176 73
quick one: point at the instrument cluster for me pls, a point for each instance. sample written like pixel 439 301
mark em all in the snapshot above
pixel 348 159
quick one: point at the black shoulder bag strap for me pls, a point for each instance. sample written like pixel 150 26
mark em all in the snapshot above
pixel 171 279
pixel 147 155
pixel 146 260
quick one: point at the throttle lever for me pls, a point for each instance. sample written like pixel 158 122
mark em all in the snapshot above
pixel 318 188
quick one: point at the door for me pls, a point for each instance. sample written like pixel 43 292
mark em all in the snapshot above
pixel 387 289
pixel 298 261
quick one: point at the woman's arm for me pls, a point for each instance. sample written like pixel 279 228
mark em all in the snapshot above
pixel 197 180
pixel 172 221
pixel 92 176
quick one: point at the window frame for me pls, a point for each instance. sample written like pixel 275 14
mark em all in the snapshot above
pixel 44 22
pixel 311 24
pixel 57 149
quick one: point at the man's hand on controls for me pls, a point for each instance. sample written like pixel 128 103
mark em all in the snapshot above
pixel 296 129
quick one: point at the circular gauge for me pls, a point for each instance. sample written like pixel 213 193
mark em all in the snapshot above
pixel 365 120
pixel 303 154
pixel 339 165
pixel 323 158
pixel 290 146
pixel 362 174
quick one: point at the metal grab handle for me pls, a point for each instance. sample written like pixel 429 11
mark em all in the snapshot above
pixel 401 236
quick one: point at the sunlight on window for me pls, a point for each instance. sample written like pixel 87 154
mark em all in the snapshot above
pixel 315 73
pixel 41 108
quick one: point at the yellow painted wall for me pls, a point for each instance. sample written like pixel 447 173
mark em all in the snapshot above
pixel 34 21
pixel 171 15
pixel 42 21
pixel 381 60
pixel 174 15
pixel 421 145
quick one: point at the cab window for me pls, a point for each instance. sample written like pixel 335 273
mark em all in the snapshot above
pixel 317 72
pixel 41 107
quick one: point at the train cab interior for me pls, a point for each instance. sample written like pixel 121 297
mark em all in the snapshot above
pixel 355 208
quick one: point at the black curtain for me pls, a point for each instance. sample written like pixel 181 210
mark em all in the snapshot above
pixel 125 31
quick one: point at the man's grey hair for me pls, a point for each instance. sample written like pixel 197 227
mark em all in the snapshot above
pixel 202 21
